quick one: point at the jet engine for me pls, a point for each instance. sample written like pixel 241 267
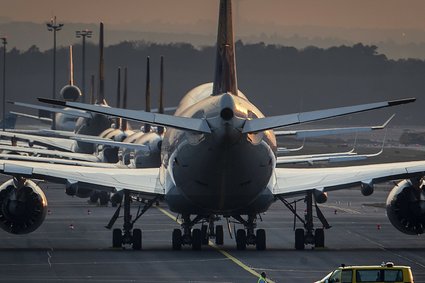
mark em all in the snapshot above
pixel 78 190
pixel 406 208
pixel 23 206
pixel 70 93
pixel 320 197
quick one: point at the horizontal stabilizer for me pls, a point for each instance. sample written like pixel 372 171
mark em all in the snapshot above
pixel 53 153
pixel 331 131
pixel 183 123
pixel 267 123
pixel 70 112
pixel 112 143
pixel 330 158
pixel 58 143
pixel 42 119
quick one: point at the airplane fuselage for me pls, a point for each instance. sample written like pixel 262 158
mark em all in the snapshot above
pixel 225 172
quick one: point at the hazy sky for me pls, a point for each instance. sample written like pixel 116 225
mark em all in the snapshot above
pixel 333 13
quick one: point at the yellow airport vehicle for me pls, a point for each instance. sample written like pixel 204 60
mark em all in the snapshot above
pixel 384 273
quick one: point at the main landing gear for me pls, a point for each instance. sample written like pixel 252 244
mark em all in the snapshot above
pixel 128 235
pixel 247 236
pixel 197 237
pixel 308 235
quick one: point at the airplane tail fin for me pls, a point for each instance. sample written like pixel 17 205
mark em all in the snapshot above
pixel 124 124
pixel 92 100
pixel 118 120
pixel 225 68
pixel 10 121
pixel 161 93
pixel 71 67
pixel 148 93
pixel 101 91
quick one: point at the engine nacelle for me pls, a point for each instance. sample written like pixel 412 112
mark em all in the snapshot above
pixel 23 206
pixel 70 93
pixel 367 189
pixel 78 190
pixel 320 196
pixel 406 208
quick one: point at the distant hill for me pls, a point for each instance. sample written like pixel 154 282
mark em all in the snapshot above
pixel 393 43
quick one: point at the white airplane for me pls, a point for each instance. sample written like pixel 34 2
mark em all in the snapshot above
pixel 218 159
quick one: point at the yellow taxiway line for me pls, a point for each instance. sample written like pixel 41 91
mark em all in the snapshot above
pixel 223 252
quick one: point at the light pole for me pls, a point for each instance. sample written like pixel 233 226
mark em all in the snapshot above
pixel 83 34
pixel 4 41
pixel 53 26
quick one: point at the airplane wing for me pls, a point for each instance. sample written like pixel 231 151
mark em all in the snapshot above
pixel 144 181
pixel 55 153
pixel 300 134
pixel 58 143
pixel 295 181
pixel 262 124
pixel 184 123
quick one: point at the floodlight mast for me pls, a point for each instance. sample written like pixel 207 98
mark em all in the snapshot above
pixel 83 34
pixel 54 26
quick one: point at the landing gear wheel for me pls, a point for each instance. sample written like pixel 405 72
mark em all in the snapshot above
pixel 299 239
pixel 219 235
pixel 319 238
pixel 94 197
pixel 204 234
pixel 177 239
pixel 241 239
pixel 261 240
pixel 196 239
pixel 103 198
pixel 137 239
pixel 116 238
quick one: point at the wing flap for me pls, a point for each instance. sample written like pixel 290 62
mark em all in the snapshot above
pixel 292 181
pixel 144 181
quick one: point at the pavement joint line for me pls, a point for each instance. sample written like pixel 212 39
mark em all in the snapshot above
pixel 382 247
pixel 223 252
pixel 341 208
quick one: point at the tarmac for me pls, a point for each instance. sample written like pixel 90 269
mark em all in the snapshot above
pixel 72 245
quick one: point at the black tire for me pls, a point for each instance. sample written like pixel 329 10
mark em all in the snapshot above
pixel 137 239
pixel 103 198
pixel 177 239
pixel 116 238
pixel 219 235
pixel 260 240
pixel 94 197
pixel 319 238
pixel 204 234
pixel 241 239
pixel 196 239
pixel 299 239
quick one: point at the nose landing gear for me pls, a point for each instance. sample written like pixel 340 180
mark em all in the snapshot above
pixel 197 237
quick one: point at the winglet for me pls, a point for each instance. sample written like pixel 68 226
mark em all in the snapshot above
pixel 384 125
